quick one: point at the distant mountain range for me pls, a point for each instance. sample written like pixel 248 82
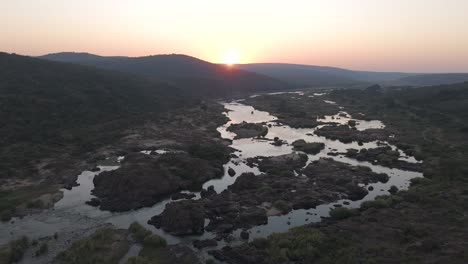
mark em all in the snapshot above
pixel 189 73
pixel 309 75
pixel 203 77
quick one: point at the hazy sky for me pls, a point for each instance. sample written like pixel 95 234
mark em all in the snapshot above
pixel 396 35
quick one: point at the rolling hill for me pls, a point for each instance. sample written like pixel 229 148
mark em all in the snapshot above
pixel 432 79
pixel 310 75
pixel 48 106
pixel 194 75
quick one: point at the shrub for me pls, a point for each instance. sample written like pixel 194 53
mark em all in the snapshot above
pixel 340 213
pixel 43 249
pixel 145 236
pixel 105 246
pixel 383 201
pixel 138 260
pixel 301 243
pixel 139 232
pixel 154 241
pixel 393 189
pixel 260 243
pixel 14 250
pixel 282 206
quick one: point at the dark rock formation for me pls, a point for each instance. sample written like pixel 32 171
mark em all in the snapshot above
pixel 309 148
pixel 346 134
pixel 180 218
pixel 93 202
pixel 248 130
pixel 384 156
pixel 231 172
pixel 143 180
pixel 210 191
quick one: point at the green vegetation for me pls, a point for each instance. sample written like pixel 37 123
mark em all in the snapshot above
pixel 383 201
pixel 43 249
pixel 139 232
pixel 283 206
pixel 139 260
pixel 340 213
pixel 210 261
pixel 14 250
pixel 10 200
pixel 145 237
pixel 306 245
pixel 105 246
pixel 151 242
pixel 48 105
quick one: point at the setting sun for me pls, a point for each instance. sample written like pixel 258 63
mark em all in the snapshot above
pixel 230 58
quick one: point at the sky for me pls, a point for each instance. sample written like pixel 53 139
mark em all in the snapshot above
pixel 380 35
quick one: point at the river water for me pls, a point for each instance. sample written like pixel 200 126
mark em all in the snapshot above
pixel 71 213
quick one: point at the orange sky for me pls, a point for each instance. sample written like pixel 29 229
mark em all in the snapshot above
pixel 397 35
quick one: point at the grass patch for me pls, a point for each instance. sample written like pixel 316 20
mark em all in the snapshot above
pixel 43 249
pixel 383 201
pixel 27 196
pixel 146 237
pixel 150 242
pixel 14 250
pixel 283 206
pixel 340 213
pixel 105 246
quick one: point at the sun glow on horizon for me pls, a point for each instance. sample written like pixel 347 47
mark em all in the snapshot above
pixel 230 58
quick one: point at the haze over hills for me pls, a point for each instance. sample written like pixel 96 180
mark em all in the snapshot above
pixel 310 75
pixel 432 79
pixel 194 75
pixel 319 75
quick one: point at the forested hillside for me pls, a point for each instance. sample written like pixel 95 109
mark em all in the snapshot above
pixel 48 106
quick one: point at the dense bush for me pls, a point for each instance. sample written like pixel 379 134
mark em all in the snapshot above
pixel 14 250
pixel 383 201
pixel 340 213
pixel 282 206
pixel 144 236
pixel 106 246
pixel 43 249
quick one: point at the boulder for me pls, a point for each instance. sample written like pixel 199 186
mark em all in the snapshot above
pixel 231 172
pixel 94 202
pixel 210 191
pixel 181 218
